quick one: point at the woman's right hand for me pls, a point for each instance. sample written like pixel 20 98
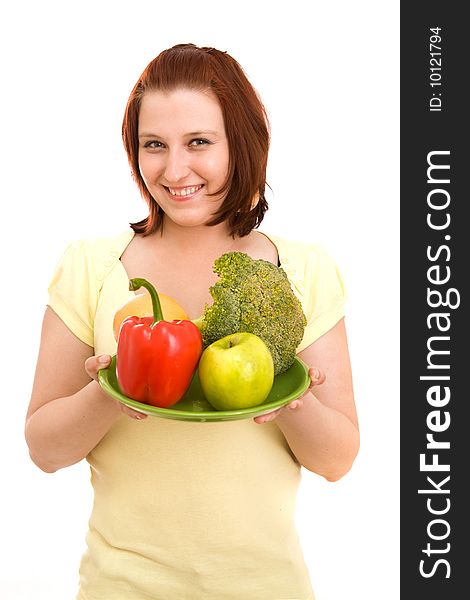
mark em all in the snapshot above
pixel 92 365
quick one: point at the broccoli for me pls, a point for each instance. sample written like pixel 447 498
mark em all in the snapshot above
pixel 254 296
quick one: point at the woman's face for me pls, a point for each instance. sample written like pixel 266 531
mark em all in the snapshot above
pixel 183 153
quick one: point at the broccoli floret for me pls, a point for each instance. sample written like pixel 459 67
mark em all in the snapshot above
pixel 254 296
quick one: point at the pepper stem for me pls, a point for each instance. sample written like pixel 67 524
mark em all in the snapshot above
pixel 138 282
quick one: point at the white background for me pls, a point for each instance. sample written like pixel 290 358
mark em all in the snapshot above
pixel 328 74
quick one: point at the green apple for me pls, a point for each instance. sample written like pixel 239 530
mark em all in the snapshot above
pixel 236 372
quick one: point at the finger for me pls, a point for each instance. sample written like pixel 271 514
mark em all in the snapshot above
pixel 134 414
pixel 94 363
pixel 268 417
pixel 317 376
pixel 295 405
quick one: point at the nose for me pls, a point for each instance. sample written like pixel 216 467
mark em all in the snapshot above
pixel 176 166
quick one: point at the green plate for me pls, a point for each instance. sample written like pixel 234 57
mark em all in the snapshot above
pixel 194 407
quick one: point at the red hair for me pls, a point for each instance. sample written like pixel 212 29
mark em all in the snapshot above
pixel 246 126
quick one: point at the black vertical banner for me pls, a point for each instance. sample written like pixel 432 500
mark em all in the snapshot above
pixel 435 322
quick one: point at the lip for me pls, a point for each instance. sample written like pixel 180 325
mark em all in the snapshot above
pixel 182 198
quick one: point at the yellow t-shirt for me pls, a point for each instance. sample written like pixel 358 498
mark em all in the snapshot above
pixel 183 510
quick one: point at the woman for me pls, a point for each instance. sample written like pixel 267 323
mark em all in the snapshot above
pixel 184 510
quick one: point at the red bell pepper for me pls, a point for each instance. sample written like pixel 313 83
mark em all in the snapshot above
pixel 156 359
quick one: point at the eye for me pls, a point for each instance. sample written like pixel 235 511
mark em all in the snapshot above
pixel 153 144
pixel 199 142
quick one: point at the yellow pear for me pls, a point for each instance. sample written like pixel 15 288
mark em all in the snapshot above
pixel 141 306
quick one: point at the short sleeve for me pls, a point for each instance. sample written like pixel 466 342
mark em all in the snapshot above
pixel 324 294
pixel 74 289
pixel 317 282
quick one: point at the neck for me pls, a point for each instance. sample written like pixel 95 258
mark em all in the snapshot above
pixel 197 239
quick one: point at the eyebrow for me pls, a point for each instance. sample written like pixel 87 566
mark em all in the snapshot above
pixel 191 133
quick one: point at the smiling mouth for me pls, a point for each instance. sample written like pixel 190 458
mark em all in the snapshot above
pixel 183 192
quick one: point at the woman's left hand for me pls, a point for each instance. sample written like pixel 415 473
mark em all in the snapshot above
pixel 317 377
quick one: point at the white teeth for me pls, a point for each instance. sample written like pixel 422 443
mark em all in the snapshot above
pixel 185 191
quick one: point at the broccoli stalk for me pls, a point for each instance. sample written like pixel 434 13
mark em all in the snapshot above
pixel 254 296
